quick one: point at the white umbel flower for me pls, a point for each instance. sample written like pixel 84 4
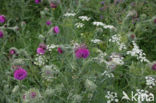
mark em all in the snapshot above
pixel 79 25
pixel 112 97
pixel 136 52
pixel 150 81
pixel 84 18
pixel 69 14
pixel 96 41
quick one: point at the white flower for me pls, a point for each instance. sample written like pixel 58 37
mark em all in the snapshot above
pixel 150 81
pixel 84 18
pixel 107 74
pixel 69 14
pixel 79 25
pixel 112 97
pixel 96 41
pixel 117 39
pixel 52 46
pixel 98 23
pixel 40 60
pixel 136 52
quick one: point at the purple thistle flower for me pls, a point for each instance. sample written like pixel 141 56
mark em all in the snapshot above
pixel 20 74
pixel 12 51
pixel 37 1
pixel 155 21
pixel 82 52
pixel 53 5
pixel 154 67
pixel 48 22
pixel 43 46
pixel 102 2
pixel 2 19
pixel 33 94
pixel 1 34
pixel 56 29
pixel 60 51
pixel 40 51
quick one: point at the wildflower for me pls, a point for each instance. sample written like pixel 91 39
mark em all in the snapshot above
pixel 136 52
pixel 48 22
pixel 69 14
pixel 40 60
pixel 37 1
pixel 43 46
pixel 20 74
pixel 82 52
pixel 1 34
pixel 96 41
pixel 53 5
pixel 2 19
pixel 56 30
pixel 60 51
pixel 154 66
pixel 150 81
pixel 102 2
pixel 40 51
pixel 79 25
pixel 32 95
pixel 132 36
pixel 84 18
pixel 12 51
pixel 155 21
pixel 112 96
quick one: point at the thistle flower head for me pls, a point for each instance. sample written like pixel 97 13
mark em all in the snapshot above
pixel 48 22
pixel 32 95
pixel 20 74
pixel 82 52
pixel 1 34
pixel 2 19
pixel 37 1
pixel 56 30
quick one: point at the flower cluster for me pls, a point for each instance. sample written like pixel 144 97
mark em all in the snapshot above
pixel 79 25
pixel 108 74
pixel 136 52
pixel 84 18
pixel 104 25
pixel 150 81
pixel 112 97
pixel 69 14
pixel 117 39
pixel 40 60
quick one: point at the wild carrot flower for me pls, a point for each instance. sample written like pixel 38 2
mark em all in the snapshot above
pixel 48 22
pixel 20 74
pixel 1 34
pixel 60 51
pixel 56 30
pixel 37 1
pixel 2 19
pixel 82 52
